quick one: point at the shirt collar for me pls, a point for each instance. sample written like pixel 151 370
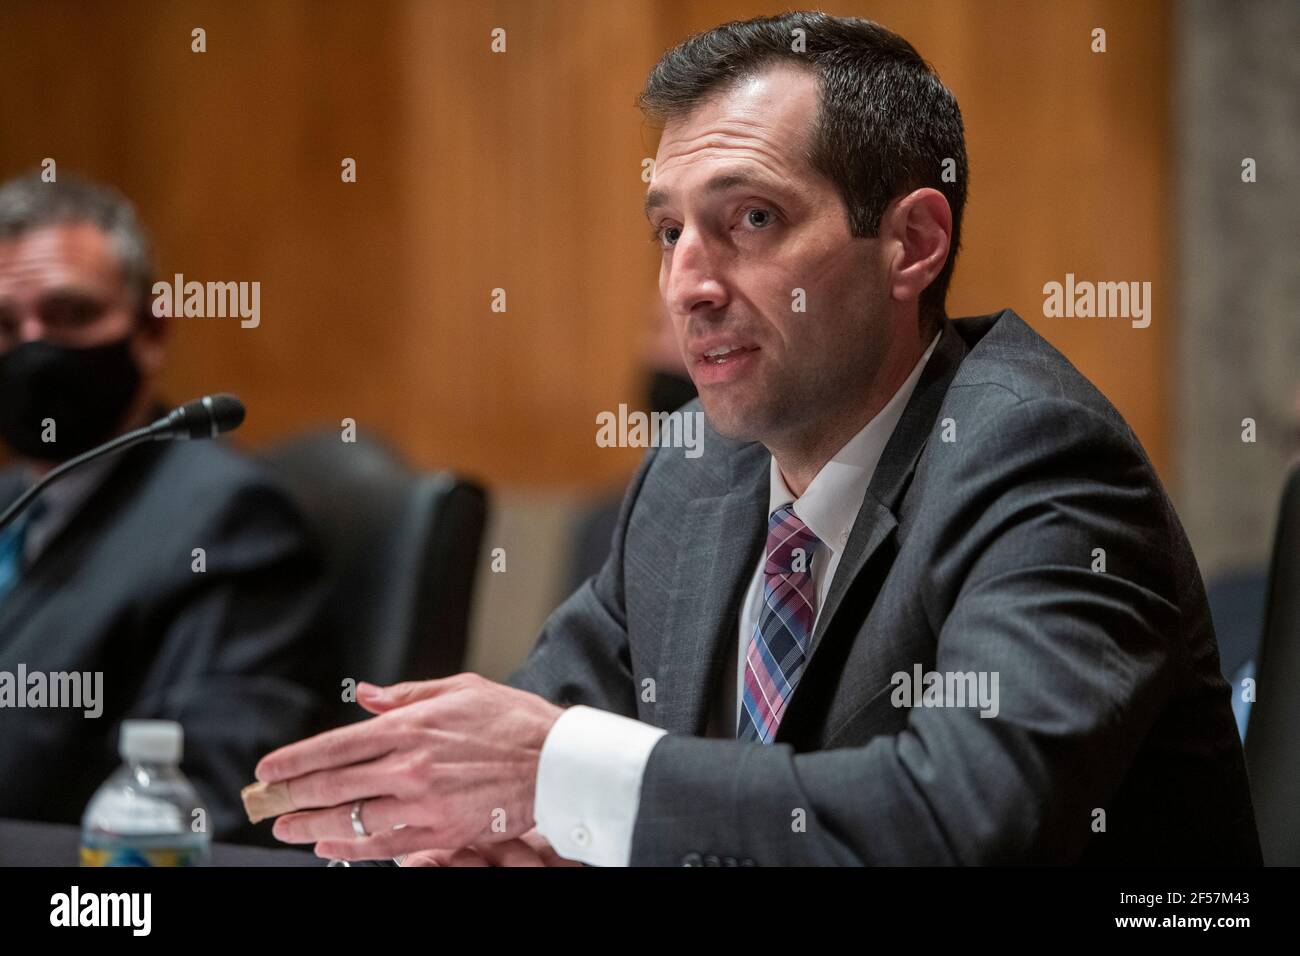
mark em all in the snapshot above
pixel 831 502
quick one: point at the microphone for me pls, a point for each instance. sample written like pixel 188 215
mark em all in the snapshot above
pixel 205 417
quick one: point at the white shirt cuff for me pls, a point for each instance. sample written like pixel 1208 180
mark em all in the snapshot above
pixel 589 784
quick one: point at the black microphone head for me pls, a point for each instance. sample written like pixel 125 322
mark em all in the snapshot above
pixel 227 411
pixel 206 417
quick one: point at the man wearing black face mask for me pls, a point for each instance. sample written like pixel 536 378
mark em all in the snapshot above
pixel 102 573
pixel 89 389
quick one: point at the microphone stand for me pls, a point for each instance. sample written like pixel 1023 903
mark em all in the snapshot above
pixel 120 443
pixel 205 417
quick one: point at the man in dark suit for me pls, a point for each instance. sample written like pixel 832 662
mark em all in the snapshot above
pixel 921 599
pixel 176 570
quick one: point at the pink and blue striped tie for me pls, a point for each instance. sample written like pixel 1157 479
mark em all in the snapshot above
pixel 779 649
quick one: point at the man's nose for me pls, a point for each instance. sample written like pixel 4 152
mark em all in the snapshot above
pixel 694 276
pixel 25 326
pixel 31 329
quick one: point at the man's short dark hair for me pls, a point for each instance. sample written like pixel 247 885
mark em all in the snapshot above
pixel 886 123
pixel 29 203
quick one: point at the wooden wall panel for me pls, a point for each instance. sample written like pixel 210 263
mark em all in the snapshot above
pixel 522 171
pixel 525 169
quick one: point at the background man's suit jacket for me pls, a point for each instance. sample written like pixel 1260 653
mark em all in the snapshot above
pixel 224 652
pixel 971 554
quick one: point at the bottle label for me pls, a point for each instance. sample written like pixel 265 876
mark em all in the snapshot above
pixel 137 856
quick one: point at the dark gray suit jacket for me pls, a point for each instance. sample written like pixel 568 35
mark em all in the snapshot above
pixel 226 652
pixel 1114 741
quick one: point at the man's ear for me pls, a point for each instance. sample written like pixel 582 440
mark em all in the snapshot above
pixel 151 333
pixel 920 226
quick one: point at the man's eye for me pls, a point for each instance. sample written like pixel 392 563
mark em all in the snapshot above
pixel 71 311
pixel 758 218
pixel 666 235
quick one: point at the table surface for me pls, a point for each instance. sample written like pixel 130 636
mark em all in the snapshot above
pixel 23 843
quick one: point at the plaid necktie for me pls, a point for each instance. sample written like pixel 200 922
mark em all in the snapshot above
pixel 779 648
pixel 12 541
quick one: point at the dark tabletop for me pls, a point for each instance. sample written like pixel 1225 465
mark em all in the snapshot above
pixel 57 844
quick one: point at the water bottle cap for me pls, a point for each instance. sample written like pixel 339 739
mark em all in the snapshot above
pixel 151 741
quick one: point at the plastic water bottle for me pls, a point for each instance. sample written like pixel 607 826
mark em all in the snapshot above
pixel 146 813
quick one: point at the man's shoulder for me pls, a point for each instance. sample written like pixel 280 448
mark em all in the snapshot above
pixel 1008 363
pixel 1018 417
pixel 211 466
pixel 211 485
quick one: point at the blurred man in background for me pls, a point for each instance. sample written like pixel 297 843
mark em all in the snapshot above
pixel 668 387
pixel 102 573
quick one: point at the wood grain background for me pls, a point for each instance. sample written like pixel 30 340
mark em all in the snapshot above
pixel 522 171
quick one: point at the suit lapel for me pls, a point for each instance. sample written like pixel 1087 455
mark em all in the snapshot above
pixel 727 534
pixel 873 527
pixel 55 567
pixel 876 519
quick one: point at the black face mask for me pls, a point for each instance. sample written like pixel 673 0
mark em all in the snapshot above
pixel 85 391
pixel 668 392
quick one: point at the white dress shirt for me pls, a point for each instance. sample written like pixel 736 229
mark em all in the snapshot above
pixel 589 774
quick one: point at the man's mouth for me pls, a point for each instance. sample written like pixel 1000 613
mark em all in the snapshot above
pixel 722 354
pixel 723 363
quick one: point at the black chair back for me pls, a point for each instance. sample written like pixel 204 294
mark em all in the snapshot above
pixel 401 552
pixel 1273 733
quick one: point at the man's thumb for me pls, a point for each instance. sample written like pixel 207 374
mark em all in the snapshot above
pixel 379 699
pixel 374 698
